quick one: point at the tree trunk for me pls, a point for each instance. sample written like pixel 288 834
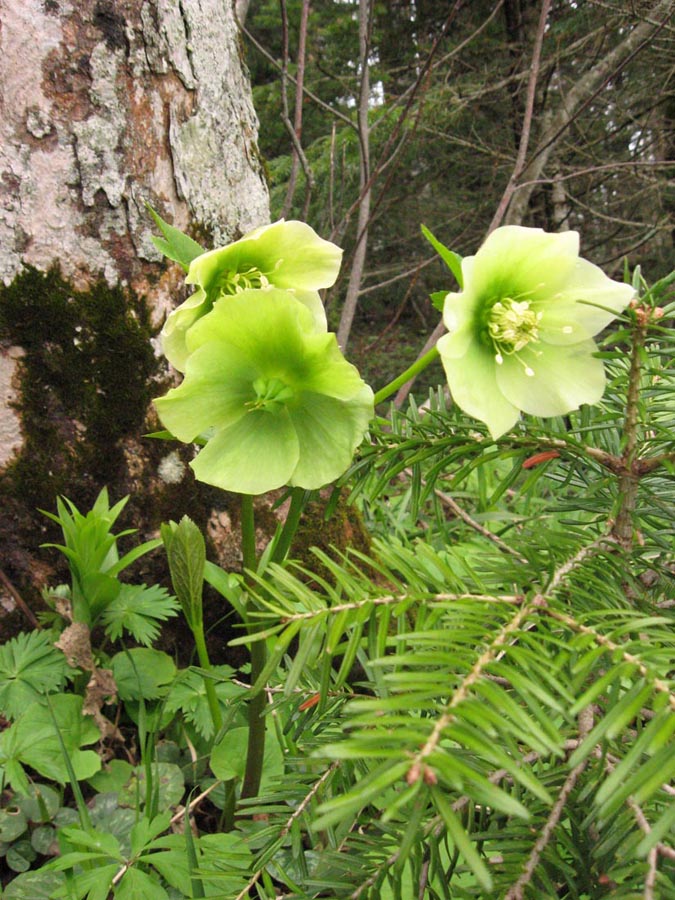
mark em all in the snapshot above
pixel 109 105
pixel 105 106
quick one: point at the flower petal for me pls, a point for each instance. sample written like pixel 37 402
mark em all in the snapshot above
pixel 595 298
pixel 177 324
pixel 329 431
pixel 564 378
pixel 523 263
pixel 473 385
pixel 256 454
pixel 267 326
pixel 313 302
pixel 290 254
pixel 213 393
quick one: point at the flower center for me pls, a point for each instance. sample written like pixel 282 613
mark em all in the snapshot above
pixel 233 282
pixel 512 325
pixel 272 394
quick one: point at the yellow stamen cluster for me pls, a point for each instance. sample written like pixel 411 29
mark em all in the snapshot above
pixel 512 325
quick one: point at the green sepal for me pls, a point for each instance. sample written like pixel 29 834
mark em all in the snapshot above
pixel 438 299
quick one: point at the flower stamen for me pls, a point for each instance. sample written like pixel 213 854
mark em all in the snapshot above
pixel 511 326
pixel 272 394
pixel 233 282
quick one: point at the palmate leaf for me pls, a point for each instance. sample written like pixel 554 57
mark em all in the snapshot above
pixel 188 694
pixel 30 667
pixel 33 741
pixel 138 610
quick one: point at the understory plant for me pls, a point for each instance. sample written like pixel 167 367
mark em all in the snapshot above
pixel 479 705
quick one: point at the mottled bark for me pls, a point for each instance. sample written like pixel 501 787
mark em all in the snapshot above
pixel 106 106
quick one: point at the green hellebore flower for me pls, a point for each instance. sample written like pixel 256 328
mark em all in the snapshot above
pixel 274 397
pixel 287 255
pixel 520 332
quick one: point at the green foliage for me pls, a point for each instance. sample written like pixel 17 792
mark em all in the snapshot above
pixel 33 740
pixel 186 555
pixel 96 594
pixel 142 673
pixel 30 667
pixel 188 695
pixel 175 245
pixel 139 610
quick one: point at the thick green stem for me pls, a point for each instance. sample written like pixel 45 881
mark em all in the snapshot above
pixel 205 663
pixel 283 545
pixel 256 720
pixel 409 373
pixel 248 533
pixel 256 725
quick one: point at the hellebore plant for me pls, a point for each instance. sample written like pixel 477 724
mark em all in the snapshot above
pixel 288 255
pixel 520 332
pixel 274 399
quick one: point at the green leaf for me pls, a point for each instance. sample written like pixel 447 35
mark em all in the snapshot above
pixel 175 245
pixel 32 741
pixel 169 778
pixel 138 610
pixel 30 666
pixel 461 839
pixel 39 885
pixel 137 885
pixel 452 260
pixel 142 672
pixel 113 778
pixel 145 831
pixel 13 823
pixel 186 552
pixel 188 694
pixel 228 757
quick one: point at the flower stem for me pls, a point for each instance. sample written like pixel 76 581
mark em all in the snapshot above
pixel 255 752
pixel 248 532
pixel 205 663
pixel 409 373
pixel 298 498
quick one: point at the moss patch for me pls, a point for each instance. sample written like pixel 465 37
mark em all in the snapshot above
pixel 85 382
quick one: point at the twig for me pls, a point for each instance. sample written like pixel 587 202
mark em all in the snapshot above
pixel 390 599
pixel 519 165
pixel 628 482
pixel 613 647
pixel 295 129
pixel 18 599
pixel 481 529
pixel 277 65
pixel 494 651
pixel 516 891
pixel 289 822
pixel 359 257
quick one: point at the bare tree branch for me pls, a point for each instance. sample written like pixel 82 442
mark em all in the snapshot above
pixel 295 130
pixel 555 122
pixel 358 262
pixel 527 119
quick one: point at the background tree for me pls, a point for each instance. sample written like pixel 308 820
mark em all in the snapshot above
pixel 599 156
pixel 105 107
